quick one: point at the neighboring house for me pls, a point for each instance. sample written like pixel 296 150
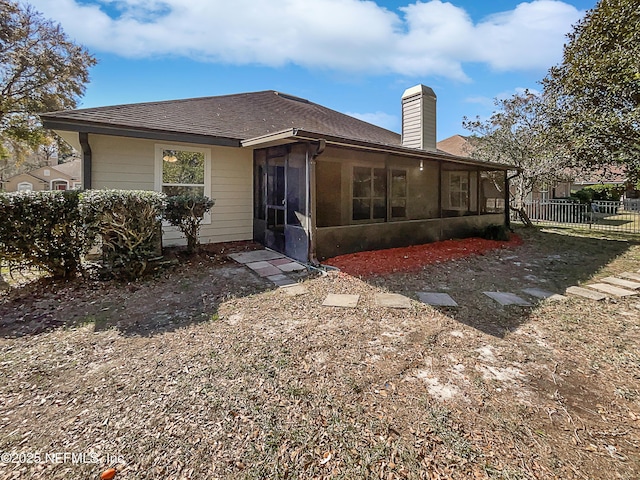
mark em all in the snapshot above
pixel 576 179
pixel 456 145
pixel 64 176
pixel 296 176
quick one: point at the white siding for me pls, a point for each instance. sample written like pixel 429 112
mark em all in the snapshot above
pixel 129 163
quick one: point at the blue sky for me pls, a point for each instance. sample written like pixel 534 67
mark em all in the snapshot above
pixel 354 56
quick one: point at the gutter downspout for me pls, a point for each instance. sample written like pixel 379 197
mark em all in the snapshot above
pixel 312 198
pixel 83 137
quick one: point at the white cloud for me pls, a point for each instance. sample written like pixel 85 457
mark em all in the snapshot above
pixel 432 38
pixel 381 119
pixel 488 102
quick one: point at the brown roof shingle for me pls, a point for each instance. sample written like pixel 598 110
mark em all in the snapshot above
pixel 239 116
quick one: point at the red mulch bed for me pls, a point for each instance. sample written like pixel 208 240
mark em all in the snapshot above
pixel 414 258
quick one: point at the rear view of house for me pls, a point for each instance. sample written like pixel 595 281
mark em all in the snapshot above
pixel 296 176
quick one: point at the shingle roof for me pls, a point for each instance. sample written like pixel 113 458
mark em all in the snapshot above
pixel 240 116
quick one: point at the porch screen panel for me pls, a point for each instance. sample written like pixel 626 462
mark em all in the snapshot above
pixel 296 188
pixel 259 191
pixel 369 193
pixel 492 192
pixel 473 192
pixel 398 193
pixel 328 194
pixel 457 190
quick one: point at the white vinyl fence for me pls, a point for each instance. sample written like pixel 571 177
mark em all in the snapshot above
pixel 623 216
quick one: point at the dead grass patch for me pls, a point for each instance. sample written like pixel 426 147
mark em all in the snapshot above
pixel 207 371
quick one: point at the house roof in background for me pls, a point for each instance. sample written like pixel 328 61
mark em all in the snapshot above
pixel 455 145
pixel 600 175
pixel 71 168
pixel 233 117
pixel 66 171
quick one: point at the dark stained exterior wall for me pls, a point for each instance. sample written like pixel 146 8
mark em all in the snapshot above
pixel 333 241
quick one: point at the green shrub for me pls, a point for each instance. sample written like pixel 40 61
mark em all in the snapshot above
pixel 496 232
pixel 605 191
pixel 44 230
pixel 129 225
pixel 187 212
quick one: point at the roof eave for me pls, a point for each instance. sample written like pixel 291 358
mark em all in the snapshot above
pixel 54 123
pixel 296 134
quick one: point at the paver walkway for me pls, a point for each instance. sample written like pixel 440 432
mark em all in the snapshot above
pixel 279 269
pixel 271 265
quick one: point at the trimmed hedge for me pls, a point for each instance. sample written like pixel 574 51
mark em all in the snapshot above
pixel 44 230
pixel 54 230
pixel 129 225
pixel 187 212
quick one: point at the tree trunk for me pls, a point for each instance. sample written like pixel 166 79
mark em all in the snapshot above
pixel 522 213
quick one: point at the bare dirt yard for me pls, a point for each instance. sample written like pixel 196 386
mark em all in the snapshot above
pixel 207 371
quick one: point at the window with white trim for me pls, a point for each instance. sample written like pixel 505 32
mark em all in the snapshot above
pixel 183 170
pixel 25 187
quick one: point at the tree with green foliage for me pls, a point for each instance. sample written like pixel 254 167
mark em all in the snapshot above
pixel 41 70
pixel 595 91
pixel 518 134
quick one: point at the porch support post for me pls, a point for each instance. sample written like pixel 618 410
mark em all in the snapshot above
pixel 311 156
pixel 478 196
pixel 86 160
pixel 507 208
pixel 440 226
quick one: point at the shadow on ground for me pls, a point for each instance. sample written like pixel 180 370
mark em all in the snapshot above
pixel 181 294
pixel 548 260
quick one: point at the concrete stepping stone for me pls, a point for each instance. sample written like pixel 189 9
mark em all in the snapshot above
pixel 585 293
pixel 610 289
pixel 392 300
pixel 341 300
pixel 436 299
pixel 544 294
pixel 291 267
pixel 619 282
pixel 507 298
pixel 281 280
pixel 255 256
pixel 279 261
pixel 257 265
pixel 269 271
pixel 630 275
pixel 294 290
